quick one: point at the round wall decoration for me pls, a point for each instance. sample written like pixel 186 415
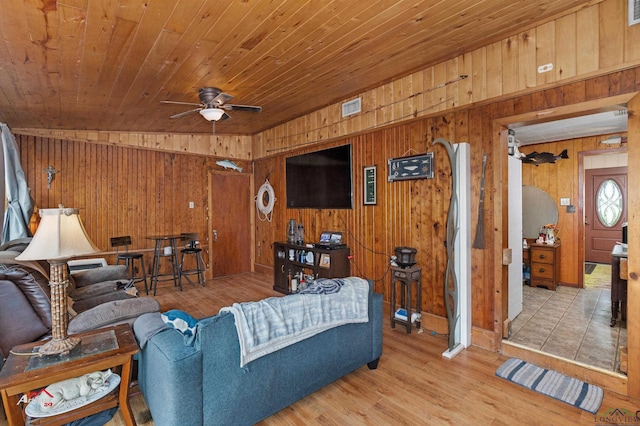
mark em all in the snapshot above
pixel 265 200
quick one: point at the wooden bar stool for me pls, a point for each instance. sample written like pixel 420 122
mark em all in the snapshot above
pixel 191 249
pixel 129 259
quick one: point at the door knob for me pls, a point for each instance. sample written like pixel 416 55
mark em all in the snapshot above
pixel 215 235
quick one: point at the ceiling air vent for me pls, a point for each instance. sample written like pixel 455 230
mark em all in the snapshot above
pixel 353 107
pixel 634 12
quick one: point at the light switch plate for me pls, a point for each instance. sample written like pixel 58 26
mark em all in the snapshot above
pixel 565 201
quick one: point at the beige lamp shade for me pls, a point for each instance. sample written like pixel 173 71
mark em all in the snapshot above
pixel 60 235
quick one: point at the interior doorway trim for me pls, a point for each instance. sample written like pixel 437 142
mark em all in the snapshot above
pixel 501 283
pixel 567 111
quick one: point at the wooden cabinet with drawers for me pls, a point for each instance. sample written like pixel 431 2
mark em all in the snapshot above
pixel 545 265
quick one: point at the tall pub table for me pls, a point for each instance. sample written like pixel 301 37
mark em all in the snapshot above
pixel 112 347
pixel 159 253
pixel 172 254
pixel 618 285
pixel 406 277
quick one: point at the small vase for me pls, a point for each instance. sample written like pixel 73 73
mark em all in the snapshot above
pixel 292 230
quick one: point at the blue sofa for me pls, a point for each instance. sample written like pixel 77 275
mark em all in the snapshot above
pixel 203 383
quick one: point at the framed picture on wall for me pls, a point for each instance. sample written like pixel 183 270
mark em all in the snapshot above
pixel 414 167
pixel 370 189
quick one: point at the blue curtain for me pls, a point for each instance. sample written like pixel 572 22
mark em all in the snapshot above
pixel 18 201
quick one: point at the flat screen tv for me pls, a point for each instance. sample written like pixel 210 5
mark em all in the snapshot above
pixel 320 179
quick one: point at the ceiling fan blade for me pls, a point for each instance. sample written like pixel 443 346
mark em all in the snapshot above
pixel 182 114
pixel 180 103
pixel 225 116
pixel 234 107
pixel 221 99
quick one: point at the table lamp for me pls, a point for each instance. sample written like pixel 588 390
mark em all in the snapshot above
pixel 60 236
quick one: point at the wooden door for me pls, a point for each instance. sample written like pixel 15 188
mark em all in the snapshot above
pixel 229 224
pixel 605 211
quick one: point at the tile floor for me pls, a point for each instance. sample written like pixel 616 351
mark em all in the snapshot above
pixel 571 323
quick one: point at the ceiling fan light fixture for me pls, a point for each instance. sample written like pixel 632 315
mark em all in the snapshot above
pixel 212 114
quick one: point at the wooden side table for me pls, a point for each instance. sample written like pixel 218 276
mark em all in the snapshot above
pixel 406 277
pixel 545 265
pixel 111 347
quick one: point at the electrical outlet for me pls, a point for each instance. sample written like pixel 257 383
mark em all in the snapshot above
pixel 565 201
pixel 191 205
pixel 545 68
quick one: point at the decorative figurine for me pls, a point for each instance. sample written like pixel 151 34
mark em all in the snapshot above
pixel 51 172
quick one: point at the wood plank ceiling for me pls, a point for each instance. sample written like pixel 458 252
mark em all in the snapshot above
pixel 107 64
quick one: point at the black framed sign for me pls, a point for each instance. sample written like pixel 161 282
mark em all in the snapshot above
pixel 414 167
pixel 370 185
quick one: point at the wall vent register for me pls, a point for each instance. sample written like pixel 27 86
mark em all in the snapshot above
pixel 351 107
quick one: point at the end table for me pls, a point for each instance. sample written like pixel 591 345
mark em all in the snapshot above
pixel 111 347
pixel 406 277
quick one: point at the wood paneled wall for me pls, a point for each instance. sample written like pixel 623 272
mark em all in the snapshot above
pixel 594 40
pixel 413 213
pixel 409 213
pixel 561 180
pixel 227 146
pixel 120 190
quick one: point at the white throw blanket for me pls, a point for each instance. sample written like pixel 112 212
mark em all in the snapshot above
pixel 277 322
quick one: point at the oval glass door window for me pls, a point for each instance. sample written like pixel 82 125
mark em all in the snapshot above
pixel 609 203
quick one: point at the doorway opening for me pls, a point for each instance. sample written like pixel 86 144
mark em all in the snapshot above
pixel 549 344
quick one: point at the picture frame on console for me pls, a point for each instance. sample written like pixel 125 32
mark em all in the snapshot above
pixel 325 260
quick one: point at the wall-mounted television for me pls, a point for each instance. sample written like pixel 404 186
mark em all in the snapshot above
pixel 320 179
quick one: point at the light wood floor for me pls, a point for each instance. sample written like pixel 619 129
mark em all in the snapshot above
pixel 413 385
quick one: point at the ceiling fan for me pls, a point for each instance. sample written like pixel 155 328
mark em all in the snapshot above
pixel 212 106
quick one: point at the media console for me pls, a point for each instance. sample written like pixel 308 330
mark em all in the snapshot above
pixel 292 259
